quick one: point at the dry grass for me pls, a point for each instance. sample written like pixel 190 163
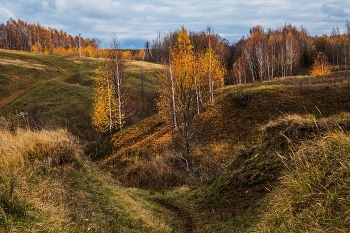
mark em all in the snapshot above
pixel 314 195
pixel 295 128
pixel 46 185
pixel 19 149
pixel 22 63
pixel 23 154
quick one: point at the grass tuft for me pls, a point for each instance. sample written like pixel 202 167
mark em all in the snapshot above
pixel 22 154
pixel 315 188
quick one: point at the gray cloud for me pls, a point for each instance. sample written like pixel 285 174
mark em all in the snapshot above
pixel 337 12
pixel 134 22
pixel 5 14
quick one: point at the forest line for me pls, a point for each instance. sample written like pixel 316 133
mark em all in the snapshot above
pixel 261 55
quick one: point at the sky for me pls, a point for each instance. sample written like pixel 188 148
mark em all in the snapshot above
pixel 135 22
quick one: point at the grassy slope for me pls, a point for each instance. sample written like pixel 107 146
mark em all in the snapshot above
pixel 240 199
pixel 60 96
pixel 72 197
pixel 57 91
pixel 47 185
pixel 249 195
pixel 46 87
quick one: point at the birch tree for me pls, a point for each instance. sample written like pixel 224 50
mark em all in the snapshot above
pixel 108 109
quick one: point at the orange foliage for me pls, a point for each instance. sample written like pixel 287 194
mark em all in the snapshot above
pixel 36 48
pixel 321 66
pixel 127 55
pixel 140 54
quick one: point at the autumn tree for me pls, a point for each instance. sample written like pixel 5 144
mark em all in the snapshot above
pixel 292 51
pixel 108 109
pixel 273 49
pixel 239 71
pixel 105 108
pixel 321 65
pixel 209 76
pixel 180 91
pixel 248 56
pixel 36 48
pixel 191 78
pixel 258 38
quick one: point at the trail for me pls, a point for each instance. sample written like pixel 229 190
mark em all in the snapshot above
pixel 181 214
pixel 17 94
pixel 51 64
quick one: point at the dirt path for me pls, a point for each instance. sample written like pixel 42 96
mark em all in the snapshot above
pixel 16 95
pixel 184 217
pixel 51 64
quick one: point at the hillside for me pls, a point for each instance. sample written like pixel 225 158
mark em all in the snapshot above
pixel 233 124
pixel 46 88
pixel 260 131
pixel 56 91
pixel 48 185
pixel 273 156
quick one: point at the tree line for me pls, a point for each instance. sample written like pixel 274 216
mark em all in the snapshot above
pixel 23 36
pixel 263 54
pixel 158 50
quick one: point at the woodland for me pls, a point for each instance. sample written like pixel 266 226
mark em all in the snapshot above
pixel 264 54
pixel 191 133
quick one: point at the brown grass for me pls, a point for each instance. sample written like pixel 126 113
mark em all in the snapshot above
pixel 50 148
pixel 23 154
pixel 46 185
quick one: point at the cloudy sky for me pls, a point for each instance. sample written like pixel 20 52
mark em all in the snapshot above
pixel 134 22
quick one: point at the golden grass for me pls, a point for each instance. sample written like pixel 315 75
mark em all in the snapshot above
pixel 22 63
pixel 47 186
pixel 23 155
pixel 23 146
pixel 146 65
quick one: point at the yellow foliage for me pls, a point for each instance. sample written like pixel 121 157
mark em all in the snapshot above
pixel 140 54
pixel 127 55
pixel 46 51
pixel 36 48
pixel 210 69
pixel 183 63
pixel 59 51
pixel 193 77
pixel 321 65
pixel 105 108
pixel 89 51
